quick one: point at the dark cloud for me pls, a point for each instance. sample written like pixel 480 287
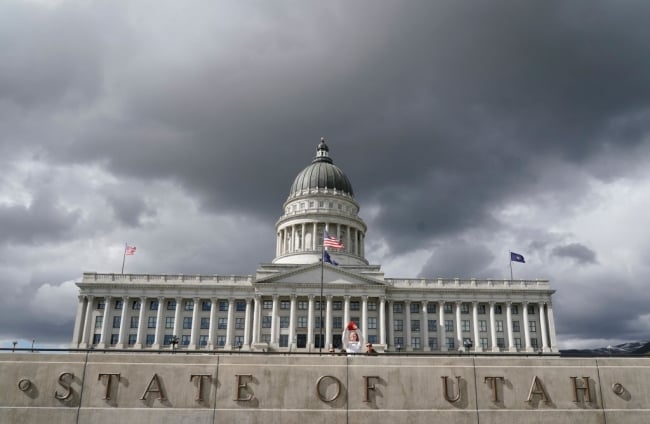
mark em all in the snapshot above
pixel 579 253
pixel 459 259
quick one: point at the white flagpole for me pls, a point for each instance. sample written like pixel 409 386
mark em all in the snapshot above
pixel 124 257
pixel 510 254
pixel 320 301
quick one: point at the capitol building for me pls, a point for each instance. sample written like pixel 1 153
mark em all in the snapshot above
pixel 299 303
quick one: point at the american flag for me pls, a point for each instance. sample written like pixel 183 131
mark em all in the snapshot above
pixel 130 250
pixel 331 241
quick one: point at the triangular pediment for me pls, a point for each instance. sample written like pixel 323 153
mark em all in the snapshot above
pixel 311 275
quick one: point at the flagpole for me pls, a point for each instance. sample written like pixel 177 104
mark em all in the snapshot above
pixel 322 266
pixel 510 254
pixel 124 257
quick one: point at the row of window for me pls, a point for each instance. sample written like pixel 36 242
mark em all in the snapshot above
pixel 432 325
pixel 188 305
pixel 450 342
pixel 183 340
pixel 321 204
pixel 482 309
pixel 222 323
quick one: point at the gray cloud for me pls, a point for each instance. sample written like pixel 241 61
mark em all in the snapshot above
pixel 579 253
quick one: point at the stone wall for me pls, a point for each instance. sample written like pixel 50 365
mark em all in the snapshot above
pixel 197 389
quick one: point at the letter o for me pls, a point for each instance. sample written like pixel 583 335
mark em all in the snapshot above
pixel 338 388
pixel 618 388
pixel 24 385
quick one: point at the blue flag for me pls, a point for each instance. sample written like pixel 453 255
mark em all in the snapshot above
pixel 327 258
pixel 516 257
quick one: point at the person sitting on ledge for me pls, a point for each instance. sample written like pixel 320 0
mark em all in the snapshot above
pixel 370 351
pixel 352 338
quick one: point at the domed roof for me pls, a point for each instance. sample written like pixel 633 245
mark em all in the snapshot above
pixel 321 174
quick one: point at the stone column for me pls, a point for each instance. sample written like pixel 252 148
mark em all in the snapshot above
pixel 348 246
pixel 230 325
pixel 477 337
pixel 364 317
pixel 140 339
pixel 124 317
pixel 551 327
pixel 88 324
pixel 542 324
pixel 346 310
pixel 424 329
pixel 493 330
pixel 511 341
pixel 310 323
pixel 78 321
pixel 302 239
pixel 257 310
pixel 105 323
pixel 177 317
pixel 247 322
pixel 459 328
pixel 391 323
pixel 274 322
pixel 328 322
pixel 212 328
pixel 292 320
pixel 382 321
pixel 529 348
pixel 407 326
pixel 194 336
pixel 441 326
pixel 159 324
pixel 314 243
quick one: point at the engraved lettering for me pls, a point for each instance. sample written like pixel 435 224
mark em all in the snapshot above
pixel 445 389
pixel 585 389
pixel 618 388
pixel 320 394
pixel 199 393
pixel 67 385
pixel 537 388
pixel 369 386
pixel 24 384
pixel 494 386
pixel 241 386
pixel 154 386
pixel 109 380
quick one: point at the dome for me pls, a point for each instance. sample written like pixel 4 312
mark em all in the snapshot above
pixel 321 174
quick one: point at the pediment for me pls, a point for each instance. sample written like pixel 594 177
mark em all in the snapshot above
pixel 311 275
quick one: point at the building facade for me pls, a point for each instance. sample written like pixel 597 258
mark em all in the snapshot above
pixel 298 303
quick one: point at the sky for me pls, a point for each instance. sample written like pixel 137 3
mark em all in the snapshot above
pixel 468 129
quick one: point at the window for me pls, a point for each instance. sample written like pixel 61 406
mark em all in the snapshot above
pixel 398 325
pixel 321 203
pixel 450 342
pixel 239 323
pixel 465 324
pixel 533 343
pixel 118 304
pixel 285 304
pixel 303 306
pixel 355 320
pixel 222 323
pixel 284 340
pixel 116 322
pixel 372 339
pixel 501 342
pixel 187 323
pixel 114 338
pixel 415 308
pixel 185 340
pixel 205 323
pixel 203 340
pixel 99 320
pixel 223 305
pixel 433 325
pixel 302 322
pixel 338 322
pixel 311 203
pixel 518 342
pixel 372 306
pixel 317 305
pixel 153 305
pixel 514 309
pixel 415 325
pixel 134 322
pixel 431 307
pixel 482 326
pixel 449 308
pixel 266 322
pixel 171 305
pixel 399 342
pixel 169 322
pixel 515 326
pixel 240 306
pixel 532 326
pixel 316 322
pixel 132 339
pixel 464 308
pixel 101 304
pixel 267 304
pixel 531 309
pixel 189 305
pixel 397 308
pixel 354 305
pixel 481 309
pixel 449 325
pixel 484 342
pixel 135 305
pixel 372 323
pixel 206 305
pixel 150 339
pixel 151 322
pixel 167 339
pixel 337 305
pixel 284 322
pixel 96 338
pixel 239 341
pixel 415 343
pixel 498 309
pixel 499 325
pixel 433 343
pixel 266 338
pixel 221 341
